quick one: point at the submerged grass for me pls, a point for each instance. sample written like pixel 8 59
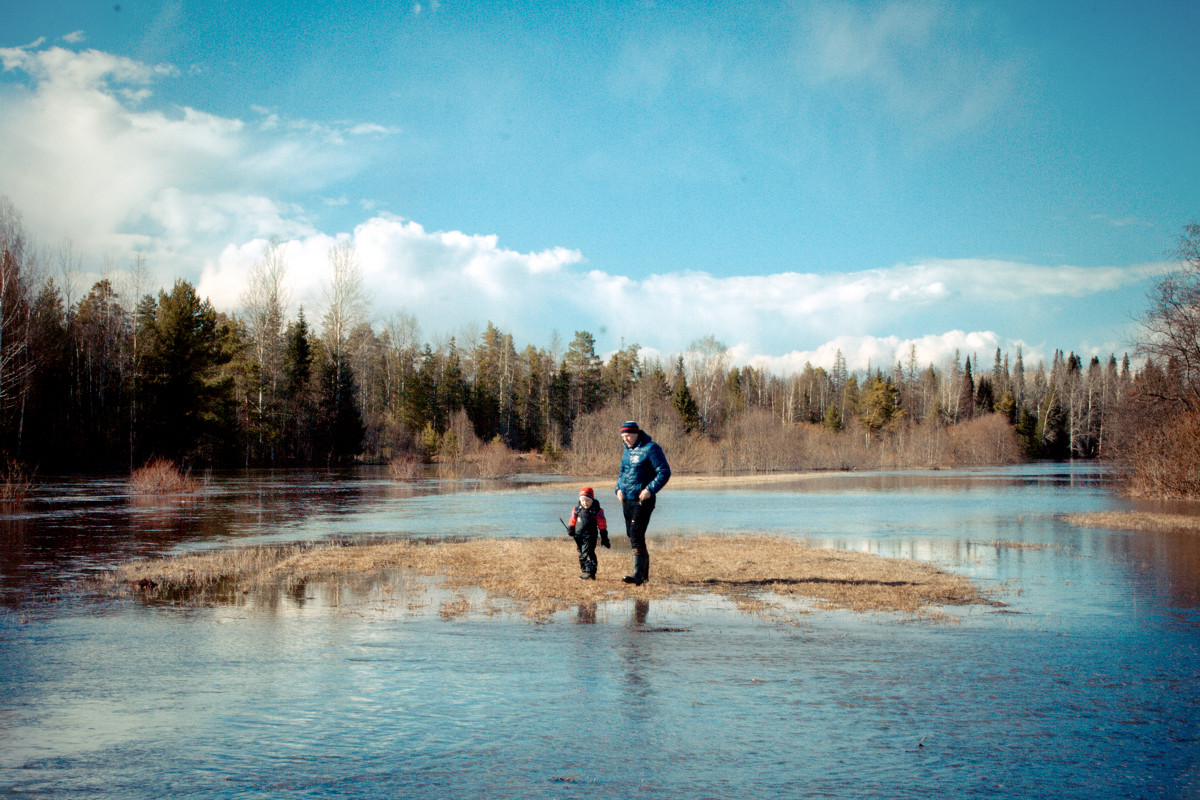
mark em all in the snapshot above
pixel 540 576
pixel 1136 521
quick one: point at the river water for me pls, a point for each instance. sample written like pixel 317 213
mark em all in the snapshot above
pixel 1085 683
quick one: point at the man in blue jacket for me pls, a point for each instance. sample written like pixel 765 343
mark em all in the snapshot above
pixel 644 472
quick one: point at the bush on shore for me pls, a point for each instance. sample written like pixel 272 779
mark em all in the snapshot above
pixel 1163 457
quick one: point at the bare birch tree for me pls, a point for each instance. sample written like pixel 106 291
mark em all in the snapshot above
pixel 346 306
pixel 1171 326
pixel 264 311
pixel 707 362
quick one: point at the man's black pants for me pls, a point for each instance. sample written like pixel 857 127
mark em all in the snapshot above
pixel 637 517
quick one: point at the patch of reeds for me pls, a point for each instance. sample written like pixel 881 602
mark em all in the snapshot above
pixel 15 481
pixel 540 576
pixel 160 477
pixel 1136 521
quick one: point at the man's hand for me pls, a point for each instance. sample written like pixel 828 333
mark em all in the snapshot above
pixel 620 496
pixel 645 495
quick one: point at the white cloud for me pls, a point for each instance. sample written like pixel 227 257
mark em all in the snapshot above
pixel 863 352
pixel 88 158
pixel 454 281
pixel 448 277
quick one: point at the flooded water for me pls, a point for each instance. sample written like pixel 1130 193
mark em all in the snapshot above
pixel 1086 683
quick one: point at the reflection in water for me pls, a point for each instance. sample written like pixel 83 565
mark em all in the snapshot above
pixel 641 607
pixel 586 614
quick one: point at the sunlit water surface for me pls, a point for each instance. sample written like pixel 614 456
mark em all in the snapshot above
pixel 1085 683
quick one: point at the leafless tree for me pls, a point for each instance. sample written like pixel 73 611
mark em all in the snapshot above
pixel 403 336
pixel 346 303
pixel 264 310
pixel 134 286
pixel 1171 326
pixel 14 303
pixel 707 362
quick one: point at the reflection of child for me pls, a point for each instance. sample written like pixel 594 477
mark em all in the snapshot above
pixel 587 523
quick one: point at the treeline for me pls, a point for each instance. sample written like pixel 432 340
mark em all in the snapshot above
pixel 119 376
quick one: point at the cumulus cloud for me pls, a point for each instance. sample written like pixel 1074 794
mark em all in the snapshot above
pixel 88 157
pixel 449 278
pixel 453 280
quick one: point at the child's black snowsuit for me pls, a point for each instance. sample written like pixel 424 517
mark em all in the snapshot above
pixel 586 525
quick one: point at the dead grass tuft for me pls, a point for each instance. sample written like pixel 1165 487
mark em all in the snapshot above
pixel 160 476
pixel 1135 521
pixel 15 481
pixel 540 576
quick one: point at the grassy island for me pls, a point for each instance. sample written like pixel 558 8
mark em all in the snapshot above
pixel 540 576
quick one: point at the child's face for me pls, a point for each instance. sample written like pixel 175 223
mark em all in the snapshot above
pixel 585 501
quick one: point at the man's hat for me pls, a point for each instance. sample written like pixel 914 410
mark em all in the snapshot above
pixel 630 427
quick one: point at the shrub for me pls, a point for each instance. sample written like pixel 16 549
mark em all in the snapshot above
pixel 1164 457
pixel 494 460
pixel 984 441
pixel 405 468
pixel 161 476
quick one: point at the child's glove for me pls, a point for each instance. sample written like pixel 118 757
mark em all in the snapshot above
pixel 604 541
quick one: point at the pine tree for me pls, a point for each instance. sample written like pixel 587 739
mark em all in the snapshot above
pixel 295 392
pixel 184 398
pixel 966 395
pixel 685 405
pixel 880 405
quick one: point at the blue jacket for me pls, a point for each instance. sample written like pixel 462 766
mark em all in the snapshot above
pixel 643 466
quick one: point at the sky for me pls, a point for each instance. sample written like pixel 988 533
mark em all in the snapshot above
pixel 791 178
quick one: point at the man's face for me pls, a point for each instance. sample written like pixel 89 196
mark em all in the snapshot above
pixel 629 439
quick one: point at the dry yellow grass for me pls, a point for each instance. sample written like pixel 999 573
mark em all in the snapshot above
pixel 1136 521
pixel 540 576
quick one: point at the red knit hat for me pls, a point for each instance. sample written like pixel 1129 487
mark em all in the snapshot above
pixel 588 491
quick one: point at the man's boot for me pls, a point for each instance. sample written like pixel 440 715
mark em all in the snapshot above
pixel 641 568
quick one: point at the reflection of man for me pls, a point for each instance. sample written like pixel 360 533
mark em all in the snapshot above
pixel 644 472
pixel 641 607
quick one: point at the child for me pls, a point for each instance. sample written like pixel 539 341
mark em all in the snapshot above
pixel 587 522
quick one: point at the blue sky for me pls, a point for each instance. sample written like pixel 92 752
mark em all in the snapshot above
pixel 792 178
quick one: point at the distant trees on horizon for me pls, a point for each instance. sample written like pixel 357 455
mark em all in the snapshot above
pixel 119 376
